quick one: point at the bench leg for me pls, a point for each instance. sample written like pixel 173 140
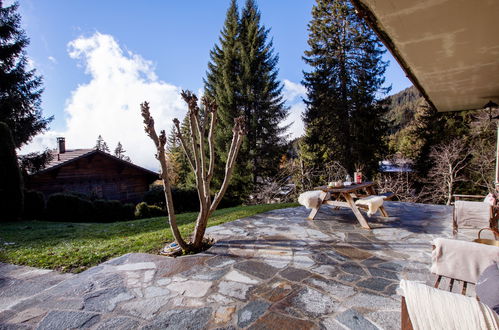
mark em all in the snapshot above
pixel 358 215
pixel 383 212
pixel 371 191
pixel 314 211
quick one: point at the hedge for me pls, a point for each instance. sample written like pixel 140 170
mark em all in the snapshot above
pixel 77 208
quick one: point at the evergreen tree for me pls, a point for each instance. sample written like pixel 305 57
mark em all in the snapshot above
pixel 35 161
pixel 182 176
pixel 242 78
pixel 222 84
pixel 343 120
pixel 11 184
pixel 221 78
pixel 101 145
pixel 261 95
pixel 119 152
pixel 429 129
pixel 20 88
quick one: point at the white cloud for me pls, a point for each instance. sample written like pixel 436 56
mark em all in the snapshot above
pixel 109 104
pixel 293 94
pixel 293 91
pixel 52 59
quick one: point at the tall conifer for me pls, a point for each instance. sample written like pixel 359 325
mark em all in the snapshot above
pixel 11 183
pixel 343 120
pixel 242 77
pixel 222 84
pixel 261 95
pixel 20 87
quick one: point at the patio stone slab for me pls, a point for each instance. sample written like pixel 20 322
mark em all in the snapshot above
pixel 119 323
pixel 276 290
pixel 295 274
pixel 354 320
pixel 251 312
pixel 375 283
pixel 273 320
pixel 68 320
pixel 272 270
pixel 234 289
pixel 181 319
pixel 258 269
pixel 106 300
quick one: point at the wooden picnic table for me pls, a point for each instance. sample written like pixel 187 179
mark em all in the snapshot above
pixel 348 193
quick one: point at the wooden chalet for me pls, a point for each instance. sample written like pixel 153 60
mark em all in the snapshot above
pixel 92 172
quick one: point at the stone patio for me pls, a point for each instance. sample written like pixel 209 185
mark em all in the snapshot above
pixel 275 270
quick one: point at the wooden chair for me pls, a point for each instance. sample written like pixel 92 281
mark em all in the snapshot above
pixel 473 214
pixel 406 323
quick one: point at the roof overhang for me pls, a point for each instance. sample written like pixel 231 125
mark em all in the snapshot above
pixel 449 49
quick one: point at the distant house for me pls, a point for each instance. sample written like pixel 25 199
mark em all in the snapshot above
pixel 398 165
pixel 92 172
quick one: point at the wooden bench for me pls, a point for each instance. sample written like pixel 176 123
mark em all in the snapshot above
pixel 388 196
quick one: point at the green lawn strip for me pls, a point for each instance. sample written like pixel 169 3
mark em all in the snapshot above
pixel 74 247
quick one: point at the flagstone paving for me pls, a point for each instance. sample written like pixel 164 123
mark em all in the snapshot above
pixel 275 270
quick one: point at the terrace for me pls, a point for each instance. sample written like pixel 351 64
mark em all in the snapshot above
pixel 268 269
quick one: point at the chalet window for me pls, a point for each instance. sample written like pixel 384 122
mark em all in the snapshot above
pixel 97 190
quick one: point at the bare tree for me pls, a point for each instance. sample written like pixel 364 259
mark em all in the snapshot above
pixel 202 161
pixel 450 160
pixel 309 177
pixel 401 185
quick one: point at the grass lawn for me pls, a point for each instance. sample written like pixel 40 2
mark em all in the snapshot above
pixel 74 247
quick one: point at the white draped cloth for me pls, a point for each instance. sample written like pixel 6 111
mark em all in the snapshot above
pixel 434 309
pixel 310 199
pixel 462 260
pixel 373 203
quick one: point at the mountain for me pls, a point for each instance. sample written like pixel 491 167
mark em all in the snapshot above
pixel 402 107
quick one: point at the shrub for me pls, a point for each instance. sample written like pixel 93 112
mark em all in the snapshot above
pixel 142 210
pixel 112 210
pixel 155 196
pixel 185 200
pixel 34 205
pixel 127 211
pixel 68 207
pixel 11 184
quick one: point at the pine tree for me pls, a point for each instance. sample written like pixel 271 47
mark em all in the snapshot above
pixel 261 95
pixel 101 144
pixel 20 88
pixel 242 78
pixel 119 152
pixel 182 176
pixel 343 120
pixel 11 183
pixel 221 78
pixel 222 85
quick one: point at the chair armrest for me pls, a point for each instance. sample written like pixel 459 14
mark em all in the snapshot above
pixel 457 196
pixel 462 260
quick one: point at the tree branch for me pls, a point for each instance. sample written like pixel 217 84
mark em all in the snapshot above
pixel 183 144
pixel 212 109
pixel 237 138
pixel 160 142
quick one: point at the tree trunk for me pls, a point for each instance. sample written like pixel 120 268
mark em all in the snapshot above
pixel 196 157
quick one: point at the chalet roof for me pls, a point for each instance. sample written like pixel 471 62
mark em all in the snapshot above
pixel 58 158
pixel 449 49
pixel 71 155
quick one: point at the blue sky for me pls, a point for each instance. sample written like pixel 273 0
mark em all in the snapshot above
pixel 95 54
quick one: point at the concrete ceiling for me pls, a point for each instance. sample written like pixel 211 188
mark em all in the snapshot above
pixel 448 48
